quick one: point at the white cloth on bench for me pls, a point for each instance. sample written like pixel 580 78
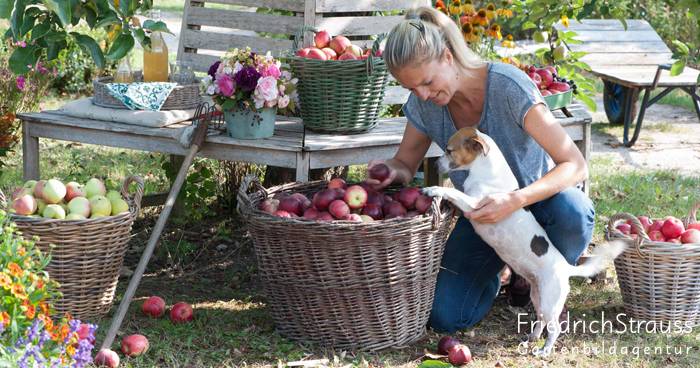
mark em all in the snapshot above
pixel 83 108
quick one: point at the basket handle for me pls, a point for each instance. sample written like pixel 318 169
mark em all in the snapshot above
pixel 243 197
pixel 299 37
pixel 641 234
pixel 139 190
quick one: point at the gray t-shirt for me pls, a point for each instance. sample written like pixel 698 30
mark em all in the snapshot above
pixel 510 94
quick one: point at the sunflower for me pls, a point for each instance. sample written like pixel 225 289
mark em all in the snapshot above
pixel 455 7
pixel 490 11
pixel 506 13
pixel 495 31
pixel 481 18
pixel 468 7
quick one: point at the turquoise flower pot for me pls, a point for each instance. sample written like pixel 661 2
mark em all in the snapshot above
pixel 247 124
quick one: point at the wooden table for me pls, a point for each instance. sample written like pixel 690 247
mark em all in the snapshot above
pixel 290 147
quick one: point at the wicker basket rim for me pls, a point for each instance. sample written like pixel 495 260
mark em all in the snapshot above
pixel 134 207
pixel 106 80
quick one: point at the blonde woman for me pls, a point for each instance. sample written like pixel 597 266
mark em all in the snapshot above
pixel 451 88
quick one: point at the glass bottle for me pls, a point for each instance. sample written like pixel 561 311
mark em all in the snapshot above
pixel 155 60
pixel 124 73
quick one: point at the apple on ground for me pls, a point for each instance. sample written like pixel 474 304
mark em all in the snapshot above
pixel 153 307
pixel 134 345
pixel 181 312
pixel 107 358
pixel 459 355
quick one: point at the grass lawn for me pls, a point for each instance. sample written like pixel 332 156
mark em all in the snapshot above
pixel 211 264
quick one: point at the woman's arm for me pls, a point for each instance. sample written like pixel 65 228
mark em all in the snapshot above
pixel 404 164
pixel 570 169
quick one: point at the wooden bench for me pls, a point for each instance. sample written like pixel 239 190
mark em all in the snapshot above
pixel 629 61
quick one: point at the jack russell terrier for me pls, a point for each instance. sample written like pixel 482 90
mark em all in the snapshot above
pixel 519 240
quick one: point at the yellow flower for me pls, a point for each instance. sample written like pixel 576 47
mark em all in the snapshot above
pixel 18 291
pixel 472 36
pixel 44 308
pixel 507 13
pixel 15 270
pixel 495 31
pixel 29 309
pixel 70 350
pixel 490 11
pixel 481 18
pixel 5 280
pixel 4 318
pixel 468 7
pixel 21 251
pixel 455 7
pixel 440 5
pixel 508 42
pixel 565 21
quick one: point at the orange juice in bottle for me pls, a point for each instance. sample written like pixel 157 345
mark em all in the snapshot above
pixel 155 60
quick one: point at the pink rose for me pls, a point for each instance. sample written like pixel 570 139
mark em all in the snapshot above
pixel 272 70
pixel 283 101
pixel 266 88
pixel 226 85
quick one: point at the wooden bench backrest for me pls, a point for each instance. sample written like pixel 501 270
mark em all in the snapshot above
pixel 208 31
pixel 608 44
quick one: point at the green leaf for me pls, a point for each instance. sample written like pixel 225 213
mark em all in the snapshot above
pixel 121 46
pixel 17 18
pixel 124 7
pixel 54 48
pixel 140 37
pixel 29 19
pixel 103 7
pixel 40 30
pixel 5 9
pixel 106 20
pixel 89 45
pixel 582 65
pixel 146 5
pixel 677 67
pixel 682 47
pixel 90 17
pixel 587 10
pixel 154 26
pixel 55 36
pixel 434 364
pixel 62 8
pixel 529 25
pixel 22 57
pixel 589 102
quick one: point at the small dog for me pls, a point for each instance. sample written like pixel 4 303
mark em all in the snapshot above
pixel 519 240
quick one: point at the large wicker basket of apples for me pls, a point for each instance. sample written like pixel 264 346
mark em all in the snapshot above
pixel 346 266
pixel 658 273
pixel 86 229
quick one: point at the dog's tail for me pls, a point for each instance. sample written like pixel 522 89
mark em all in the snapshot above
pixel 600 257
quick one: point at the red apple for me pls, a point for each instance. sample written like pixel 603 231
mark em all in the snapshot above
pixel 656 225
pixel 547 77
pixel 107 358
pixel 339 193
pixel 181 312
pixel 673 227
pixel 393 209
pixel 323 198
pixel 292 205
pixel 339 44
pixel 545 92
pixel 459 355
pixel 325 216
pixel 281 213
pixel 311 214
pixel 353 217
pixel 624 228
pixel 644 220
pixel 379 172
pixel 412 213
pixel 558 86
pixel 315 53
pixel 446 344
pixel 337 183
pixel 694 225
pixel 691 236
pixel 154 307
pixel 423 203
pixel 347 56
pixel 375 198
pixel 304 200
pixel 322 39
pixel 408 197
pixel 355 50
pixel 83 332
pixel 674 241
pixel 330 53
pixel 355 197
pixel 269 205
pixel 39 189
pixel 303 52
pixel 373 210
pixel 339 209
pixel 656 235
pixel 73 190
pixel 134 345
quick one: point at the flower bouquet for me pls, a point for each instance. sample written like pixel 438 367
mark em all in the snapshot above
pixel 250 89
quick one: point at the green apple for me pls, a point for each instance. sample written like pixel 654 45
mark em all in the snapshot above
pixel 119 206
pixel 54 211
pixel 540 36
pixel 75 216
pixel 54 191
pixel 113 195
pixel 560 53
pixel 94 187
pixel 100 206
pixel 79 206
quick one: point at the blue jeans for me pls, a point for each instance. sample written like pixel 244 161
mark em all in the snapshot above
pixel 469 282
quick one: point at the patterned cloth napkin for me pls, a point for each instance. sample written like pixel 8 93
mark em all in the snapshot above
pixel 141 96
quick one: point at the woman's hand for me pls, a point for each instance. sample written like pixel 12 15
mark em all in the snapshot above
pixel 495 207
pixel 379 185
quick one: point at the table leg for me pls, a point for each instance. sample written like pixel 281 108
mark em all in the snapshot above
pixel 30 153
pixel 640 118
pixel 431 176
pixel 303 164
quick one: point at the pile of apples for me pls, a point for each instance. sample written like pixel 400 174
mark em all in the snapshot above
pixel 72 201
pixel 356 203
pixel 547 80
pixel 669 229
pixel 136 344
pixel 457 353
pixel 336 48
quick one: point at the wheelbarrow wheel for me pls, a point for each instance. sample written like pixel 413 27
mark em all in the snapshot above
pixel 614 97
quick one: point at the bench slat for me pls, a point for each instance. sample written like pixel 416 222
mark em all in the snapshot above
pixel 631 59
pixel 607 25
pixel 358 26
pixel 244 20
pixel 339 6
pixel 290 5
pixel 221 42
pixel 619 36
pixel 622 47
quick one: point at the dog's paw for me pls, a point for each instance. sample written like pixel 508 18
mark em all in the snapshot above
pixel 434 191
pixel 543 352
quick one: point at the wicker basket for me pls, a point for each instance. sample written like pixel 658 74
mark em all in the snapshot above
pixel 659 281
pixel 340 96
pixel 182 97
pixel 342 284
pixel 87 256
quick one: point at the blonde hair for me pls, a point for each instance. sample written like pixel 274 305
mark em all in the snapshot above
pixel 423 37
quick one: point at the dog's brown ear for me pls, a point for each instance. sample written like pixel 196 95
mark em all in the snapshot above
pixel 477 144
